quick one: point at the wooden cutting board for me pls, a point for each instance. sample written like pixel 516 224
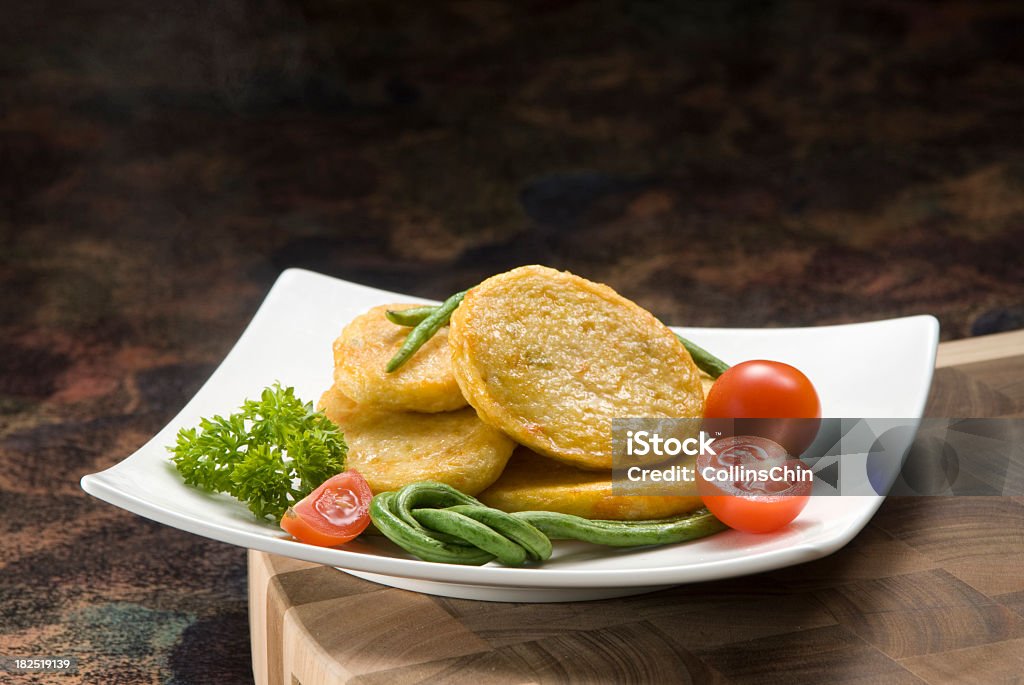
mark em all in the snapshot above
pixel 932 590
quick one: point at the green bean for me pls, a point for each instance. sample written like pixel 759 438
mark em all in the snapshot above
pixel 536 544
pixel 417 539
pixel 424 331
pixel 409 317
pixel 419 519
pixel 623 533
pixel 705 361
pixel 438 523
pixel 434 495
pixel 474 532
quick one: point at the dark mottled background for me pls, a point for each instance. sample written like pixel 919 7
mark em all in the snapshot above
pixel 723 163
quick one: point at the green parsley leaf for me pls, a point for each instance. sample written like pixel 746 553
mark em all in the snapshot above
pixel 270 454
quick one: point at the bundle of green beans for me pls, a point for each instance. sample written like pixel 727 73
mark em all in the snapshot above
pixel 427 321
pixel 438 523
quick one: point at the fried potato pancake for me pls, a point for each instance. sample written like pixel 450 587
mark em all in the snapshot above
pixel 335 405
pixel 534 483
pixel 425 383
pixel 392 449
pixel 706 382
pixel 551 358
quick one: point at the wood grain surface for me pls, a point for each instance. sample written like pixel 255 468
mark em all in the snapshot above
pixel 931 591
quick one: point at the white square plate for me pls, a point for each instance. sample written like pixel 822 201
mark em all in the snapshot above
pixel 875 369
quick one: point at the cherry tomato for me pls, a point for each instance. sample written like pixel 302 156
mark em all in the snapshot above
pixel 336 512
pixel 752 484
pixel 761 389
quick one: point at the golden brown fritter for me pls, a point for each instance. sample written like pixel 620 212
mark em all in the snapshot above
pixel 335 405
pixel 706 382
pixel 534 483
pixel 425 383
pixel 551 358
pixel 392 449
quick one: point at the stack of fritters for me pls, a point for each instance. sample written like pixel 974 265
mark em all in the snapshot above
pixel 412 424
pixel 545 359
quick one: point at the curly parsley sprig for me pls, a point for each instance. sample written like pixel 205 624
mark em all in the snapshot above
pixel 270 455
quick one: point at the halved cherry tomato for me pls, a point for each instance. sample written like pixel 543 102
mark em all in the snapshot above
pixel 761 389
pixel 333 514
pixel 752 504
